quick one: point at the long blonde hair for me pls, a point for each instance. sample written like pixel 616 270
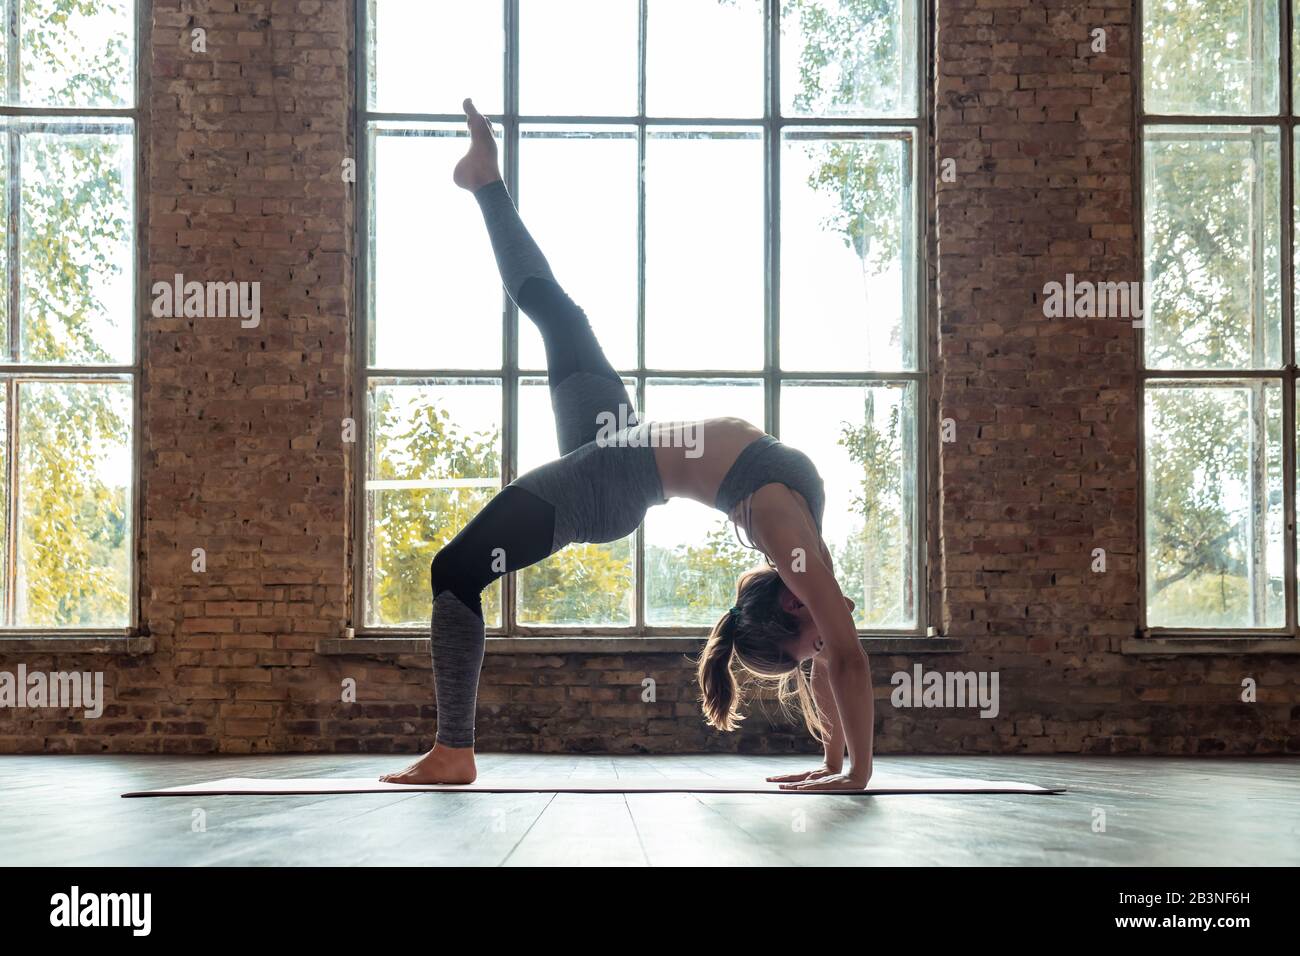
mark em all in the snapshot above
pixel 755 634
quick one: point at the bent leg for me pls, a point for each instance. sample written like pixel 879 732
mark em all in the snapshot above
pixel 512 532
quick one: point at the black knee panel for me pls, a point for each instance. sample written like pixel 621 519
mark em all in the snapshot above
pixel 512 532
pixel 446 574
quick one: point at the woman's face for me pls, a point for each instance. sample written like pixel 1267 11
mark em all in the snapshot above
pixel 809 643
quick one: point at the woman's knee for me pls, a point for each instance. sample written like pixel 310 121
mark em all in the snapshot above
pixel 513 531
pixel 449 571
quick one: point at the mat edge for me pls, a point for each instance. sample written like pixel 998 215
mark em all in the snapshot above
pixel 1039 791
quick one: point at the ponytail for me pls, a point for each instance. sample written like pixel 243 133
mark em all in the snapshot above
pixel 719 691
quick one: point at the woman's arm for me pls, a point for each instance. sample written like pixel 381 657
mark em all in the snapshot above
pixel 848 672
pixel 833 744
pixel 793 544
pixel 833 737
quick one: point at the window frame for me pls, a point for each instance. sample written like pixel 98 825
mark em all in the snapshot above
pixel 131 120
pixel 913 130
pixel 1285 124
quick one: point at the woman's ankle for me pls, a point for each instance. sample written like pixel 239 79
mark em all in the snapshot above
pixel 465 753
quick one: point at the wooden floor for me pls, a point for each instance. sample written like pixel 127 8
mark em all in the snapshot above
pixel 62 810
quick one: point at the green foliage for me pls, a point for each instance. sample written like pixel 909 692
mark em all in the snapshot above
pixel 693 584
pixel 1197 56
pixel 1205 247
pixel 1212 248
pixel 56 43
pixel 73 526
pixel 585 584
pixel 855 54
pixel 875 566
pixel 1202 530
pixel 416 440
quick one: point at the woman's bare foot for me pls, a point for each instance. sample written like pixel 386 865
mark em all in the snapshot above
pixel 449 765
pixel 479 165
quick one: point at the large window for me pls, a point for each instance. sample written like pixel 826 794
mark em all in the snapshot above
pixel 729 189
pixel 1218 343
pixel 67 314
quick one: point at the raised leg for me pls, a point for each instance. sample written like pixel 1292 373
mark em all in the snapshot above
pixel 585 388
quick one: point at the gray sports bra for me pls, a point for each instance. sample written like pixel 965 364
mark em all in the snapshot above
pixel 765 461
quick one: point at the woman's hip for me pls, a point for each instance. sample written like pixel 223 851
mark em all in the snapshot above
pixel 600 491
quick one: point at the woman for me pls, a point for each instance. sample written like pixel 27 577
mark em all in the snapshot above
pixel 784 614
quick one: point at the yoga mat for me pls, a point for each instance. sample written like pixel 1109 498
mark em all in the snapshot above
pixel 249 786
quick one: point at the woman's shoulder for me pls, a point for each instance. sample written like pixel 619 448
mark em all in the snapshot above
pixel 733 422
pixel 782 500
pixel 775 510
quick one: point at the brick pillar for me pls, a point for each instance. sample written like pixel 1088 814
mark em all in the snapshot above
pixel 1044 468
pixel 242 427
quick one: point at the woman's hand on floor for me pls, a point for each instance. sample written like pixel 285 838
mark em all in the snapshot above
pixel 833 781
pixel 819 773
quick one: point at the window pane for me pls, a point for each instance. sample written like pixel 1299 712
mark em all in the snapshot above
pixel 77 250
pixel 704 249
pixel 565 45
pixel 1201 57
pixel 434 462
pixel 5 387
pixel 577 196
pixel 437 296
pixel 4 242
pixel 537 438
pixel 843 58
pixel 589 585
pixel 427 56
pixel 1212 247
pixel 704 58
pixel 1214 542
pixel 77 54
pixel 691 552
pixel 74 504
pixel 863 440
pixel 846 254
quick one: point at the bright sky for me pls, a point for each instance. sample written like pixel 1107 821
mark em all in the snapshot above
pixel 438 294
pixel 703 58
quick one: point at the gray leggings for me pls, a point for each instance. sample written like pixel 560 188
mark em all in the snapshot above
pixel 598 490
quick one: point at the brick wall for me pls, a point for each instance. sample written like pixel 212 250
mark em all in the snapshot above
pixel 241 431
pixel 1044 466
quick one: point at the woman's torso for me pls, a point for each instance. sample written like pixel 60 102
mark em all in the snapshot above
pixel 693 458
